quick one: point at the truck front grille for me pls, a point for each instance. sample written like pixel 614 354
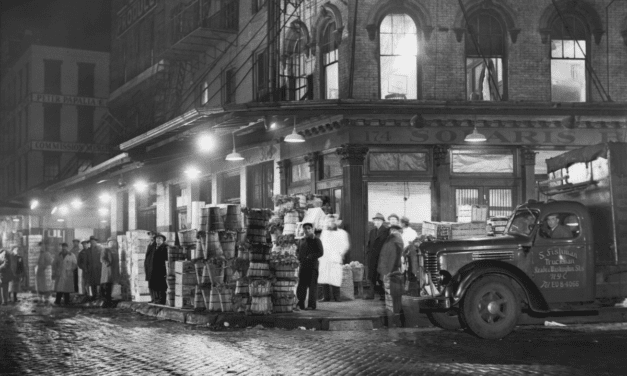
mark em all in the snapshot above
pixel 432 267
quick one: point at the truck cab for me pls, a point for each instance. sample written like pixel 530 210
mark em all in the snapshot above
pixel 559 255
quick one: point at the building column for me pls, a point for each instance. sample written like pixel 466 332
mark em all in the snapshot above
pixel 528 158
pixel 132 210
pixel 283 166
pixel 312 159
pixel 193 186
pixel 164 215
pixel 353 201
pixel 443 205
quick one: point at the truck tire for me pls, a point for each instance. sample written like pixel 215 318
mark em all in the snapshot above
pixel 490 309
pixel 446 320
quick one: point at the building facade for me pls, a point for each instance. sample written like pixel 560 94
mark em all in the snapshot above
pixel 385 94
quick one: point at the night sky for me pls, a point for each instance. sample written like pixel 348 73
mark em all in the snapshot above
pixel 83 24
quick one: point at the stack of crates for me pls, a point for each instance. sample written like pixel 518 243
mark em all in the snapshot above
pixel 185 284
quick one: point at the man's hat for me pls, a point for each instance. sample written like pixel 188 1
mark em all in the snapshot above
pixel 393 216
pixel 84 241
pixel 405 220
pixel 76 240
pixel 308 224
pixel 64 245
pixel 160 236
pixel 93 238
pixel 395 227
pixel 379 216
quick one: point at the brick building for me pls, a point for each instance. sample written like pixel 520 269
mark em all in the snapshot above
pixel 384 93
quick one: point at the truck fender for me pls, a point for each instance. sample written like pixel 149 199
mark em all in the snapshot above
pixel 470 273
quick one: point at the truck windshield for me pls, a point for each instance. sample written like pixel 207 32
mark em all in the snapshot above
pixel 521 223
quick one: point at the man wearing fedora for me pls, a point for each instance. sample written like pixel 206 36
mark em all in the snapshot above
pixel 376 238
pixel 94 266
pixel 156 273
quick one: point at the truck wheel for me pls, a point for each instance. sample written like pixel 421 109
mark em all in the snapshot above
pixel 490 309
pixel 448 320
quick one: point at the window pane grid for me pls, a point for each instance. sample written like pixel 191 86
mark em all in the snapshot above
pixel 398 48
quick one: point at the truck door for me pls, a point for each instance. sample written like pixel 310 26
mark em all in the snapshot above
pixel 560 259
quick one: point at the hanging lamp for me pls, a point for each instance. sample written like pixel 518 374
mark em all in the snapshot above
pixel 475 136
pixel 234 156
pixel 294 137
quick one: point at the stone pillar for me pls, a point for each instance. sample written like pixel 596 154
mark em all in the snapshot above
pixel 353 201
pixel 132 210
pixel 194 195
pixel 528 158
pixel 444 204
pixel 283 166
pixel 312 159
pixel 164 208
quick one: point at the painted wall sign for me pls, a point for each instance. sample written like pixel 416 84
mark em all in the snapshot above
pixel 134 11
pixel 68 99
pixel 69 147
pixel 500 136
pixel 559 268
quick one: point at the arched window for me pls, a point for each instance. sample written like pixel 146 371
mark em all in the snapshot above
pixel 298 69
pixel 398 57
pixel 486 64
pixel 569 43
pixel 330 67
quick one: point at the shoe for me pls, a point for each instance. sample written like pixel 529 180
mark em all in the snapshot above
pixel 310 308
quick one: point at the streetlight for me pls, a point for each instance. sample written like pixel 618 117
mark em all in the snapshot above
pixel 192 172
pixel 294 137
pixel 76 203
pixel 105 198
pixel 206 143
pixel 140 186
pixel 34 204
pixel 63 210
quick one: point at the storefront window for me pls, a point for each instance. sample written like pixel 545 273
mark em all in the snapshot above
pixel 231 189
pixel 301 172
pixel 465 161
pixel 411 199
pixel 398 161
pixel 330 166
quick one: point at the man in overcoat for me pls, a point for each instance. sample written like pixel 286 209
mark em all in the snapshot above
pixel 75 251
pixel 309 251
pixel 94 265
pixel 376 238
pixel 63 274
pixel 156 273
pixel 390 267
pixel 83 264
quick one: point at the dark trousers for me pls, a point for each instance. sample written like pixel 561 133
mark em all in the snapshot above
pixel 331 293
pixel 307 279
pixel 94 290
pixel 106 289
pixel 373 276
pixel 4 292
pixel 158 296
pixel 65 295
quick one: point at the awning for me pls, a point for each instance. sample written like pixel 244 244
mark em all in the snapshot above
pixel 117 161
pixel 585 155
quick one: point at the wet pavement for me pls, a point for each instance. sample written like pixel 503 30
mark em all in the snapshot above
pixel 48 340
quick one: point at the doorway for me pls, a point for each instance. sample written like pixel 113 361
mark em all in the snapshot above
pixel 498 199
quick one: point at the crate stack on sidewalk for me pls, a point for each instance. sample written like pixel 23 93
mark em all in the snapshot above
pixel 284 264
pixel 185 284
pixel 259 284
pixel 137 242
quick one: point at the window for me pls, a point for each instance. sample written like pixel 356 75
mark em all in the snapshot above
pixel 205 191
pixel 52 166
pixel 204 93
pixel 330 65
pixel 257 5
pixel 231 189
pixel 297 72
pixel 85 124
pixel 330 166
pixel 498 200
pixel 470 161
pixel 146 209
pixel 300 173
pixel 398 49
pixel 261 79
pixel 560 226
pixel 569 41
pixel 52 122
pixel 260 185
pixel 52 76
pixel 86 79
pixel 332 200
pixel 485 57
pixel 411 199
pixel 397 161
pixel 228 86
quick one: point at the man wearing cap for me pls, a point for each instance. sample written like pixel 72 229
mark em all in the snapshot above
pixel 94 266
pixel 390 265
pixel 63 274
pixel 156 273
pixel 309 251
pixel 376 238
pixel 75 250
pixel 82 260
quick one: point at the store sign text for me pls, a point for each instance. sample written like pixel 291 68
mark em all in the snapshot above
pixel 133 12
pixel 68 99
pixel 69 147
pixel 509 136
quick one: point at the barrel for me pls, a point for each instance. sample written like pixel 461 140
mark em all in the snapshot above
pixel 283 302
pixel 213 273
pixel 259 253
pixel 199 300
pixel 241 236
pixel 258 269
pixel 220 299
pixel 233 220
pixel 200 267
pixel 286 271
pixel 213 247
pixel 260 287
pixel 227 242
pixel 261 305
pixel 200 248
pixel 256 235
pixel 291 218
pixel 284 286
pixel 241 302
pixel 204 219
pixel 241 287
pixel 215 219
pixel 289 229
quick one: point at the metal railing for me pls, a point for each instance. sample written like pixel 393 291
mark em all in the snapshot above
pixel 199 14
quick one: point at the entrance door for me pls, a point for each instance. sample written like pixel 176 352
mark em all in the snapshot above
pixel 260 185
pixel 499 200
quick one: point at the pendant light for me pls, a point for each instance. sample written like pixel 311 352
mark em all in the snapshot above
pixel 294 137
pixel 475 136
pixel 234 156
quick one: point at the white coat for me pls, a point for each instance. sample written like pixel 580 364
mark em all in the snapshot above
pixel 335 244
pixel 63 272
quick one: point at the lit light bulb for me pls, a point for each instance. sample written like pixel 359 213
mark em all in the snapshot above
pixel 63 210
pixel 34 204
pixel 192 172
pixel 105 198
pixel 140 186
pixel 77 204
pixel 103 211
pixel 206 143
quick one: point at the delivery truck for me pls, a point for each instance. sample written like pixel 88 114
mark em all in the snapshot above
pixel 565 254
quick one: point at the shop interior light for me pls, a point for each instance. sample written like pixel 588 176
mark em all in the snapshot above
pixel 192 172
pixel 475 136
pixel 140 186
pixel 60 220
pixel 105 198
pixel 103 211
pixel 34 204
pixel 103 221
pixel 206 143
pixel 16 219
pixel 294 137
pixel 76 204
pixel 63 210
pixel 54 210
pixel 234 156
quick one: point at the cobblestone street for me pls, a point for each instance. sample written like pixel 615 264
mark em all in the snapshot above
pixel 41 340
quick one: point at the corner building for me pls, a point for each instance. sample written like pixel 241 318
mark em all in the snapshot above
pixel 383 91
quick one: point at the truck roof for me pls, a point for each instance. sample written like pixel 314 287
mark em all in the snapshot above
pixel 556 206
pixel 618 150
